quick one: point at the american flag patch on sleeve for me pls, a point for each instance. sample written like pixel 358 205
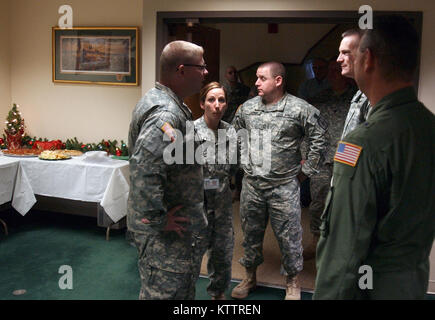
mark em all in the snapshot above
pixel 347 153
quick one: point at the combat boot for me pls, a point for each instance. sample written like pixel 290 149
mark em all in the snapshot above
pixel 293 290
pixel 219 297
pixel 248 284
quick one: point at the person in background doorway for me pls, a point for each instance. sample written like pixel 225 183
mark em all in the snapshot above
pixel 312 87
pixel 333 105
pixel 237 93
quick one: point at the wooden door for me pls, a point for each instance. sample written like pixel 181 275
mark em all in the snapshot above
pixel 209 39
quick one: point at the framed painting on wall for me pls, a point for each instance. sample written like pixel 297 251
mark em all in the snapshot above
pixel 96 55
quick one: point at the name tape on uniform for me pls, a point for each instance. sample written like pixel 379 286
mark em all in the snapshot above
pixel 347 153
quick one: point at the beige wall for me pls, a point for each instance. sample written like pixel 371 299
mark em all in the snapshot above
pixel 89 112
pixel 239 43
pixel 5 76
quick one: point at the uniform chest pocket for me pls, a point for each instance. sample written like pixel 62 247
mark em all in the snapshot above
pixel 285 128
pixel 256 121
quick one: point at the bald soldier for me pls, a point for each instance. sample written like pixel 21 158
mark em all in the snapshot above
pixel 273 192
pixel 378 226
pixel 166 201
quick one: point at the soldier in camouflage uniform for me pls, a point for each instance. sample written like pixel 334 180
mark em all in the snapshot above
pixel 358 112
pixel 333 105
pixel 217 174
pixel 165 206
pixel 274 192
pixel 237 93
pixel 359 106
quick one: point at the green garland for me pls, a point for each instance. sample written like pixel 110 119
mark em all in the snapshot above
pixel 15 124
pixel 73 144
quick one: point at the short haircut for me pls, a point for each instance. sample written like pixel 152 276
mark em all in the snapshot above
pixel 208 87
pixel 276 69
pixel 352 32
pixel 395 44
pixel 176 53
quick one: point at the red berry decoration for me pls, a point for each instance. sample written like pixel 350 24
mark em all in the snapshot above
pixel 118 152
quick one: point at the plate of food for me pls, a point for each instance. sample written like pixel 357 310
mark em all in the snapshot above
pixel 72 153
pixel 53 155
pixel 21 153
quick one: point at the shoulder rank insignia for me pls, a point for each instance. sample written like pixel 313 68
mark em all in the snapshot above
pixel 347 153
pixel 169 131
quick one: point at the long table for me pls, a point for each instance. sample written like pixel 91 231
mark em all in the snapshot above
pixel 8 173
pixel 100 180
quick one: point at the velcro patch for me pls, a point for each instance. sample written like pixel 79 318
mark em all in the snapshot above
pixel 169 131
pixel 347 153
pixel 321 122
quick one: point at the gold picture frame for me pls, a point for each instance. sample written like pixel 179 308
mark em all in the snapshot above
pixel 96 55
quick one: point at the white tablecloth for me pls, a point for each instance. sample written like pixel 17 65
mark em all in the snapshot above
pixel 8 174
pixel 105 181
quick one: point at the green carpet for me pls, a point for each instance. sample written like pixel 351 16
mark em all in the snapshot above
pixel 40 243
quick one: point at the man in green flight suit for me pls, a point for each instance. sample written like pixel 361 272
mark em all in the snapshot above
pixel 378 226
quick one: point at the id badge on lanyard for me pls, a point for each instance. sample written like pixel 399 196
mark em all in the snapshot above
pixel 211 184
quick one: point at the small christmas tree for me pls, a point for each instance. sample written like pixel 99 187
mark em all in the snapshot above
pixel 14 128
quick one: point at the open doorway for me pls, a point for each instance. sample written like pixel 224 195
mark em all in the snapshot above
pixel 247 39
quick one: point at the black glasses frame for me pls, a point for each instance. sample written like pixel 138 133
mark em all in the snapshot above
pixel 201 66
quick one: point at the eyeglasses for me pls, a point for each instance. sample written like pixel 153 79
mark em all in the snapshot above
pixel 201 66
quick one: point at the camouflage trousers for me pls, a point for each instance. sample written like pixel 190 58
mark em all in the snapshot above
pixel 220 250
pixel 319 187
pixel 169 266
pixel 282 205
